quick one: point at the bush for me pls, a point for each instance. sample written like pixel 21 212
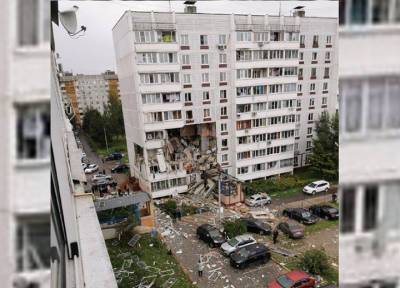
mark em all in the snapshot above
pixel 234 228
pixel 170 207
pixel 315 262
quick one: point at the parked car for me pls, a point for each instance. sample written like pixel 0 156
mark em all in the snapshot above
pixel 210 235
pixel 83 154
pixel 291 228
pixel 121 168
pixel 316 187
pixel 114 156
pixel 293 279
pixel 91 168
pixel 258 200
pixel 300 214
pixel 236 243
pixel 254 253
pixel 325 211
pixel 84 165
pixel 100 176
pixel 257 226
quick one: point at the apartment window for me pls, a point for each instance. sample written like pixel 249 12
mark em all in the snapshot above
pixel 299 87
pixel 33 131
pixel 326 72
pixel 147 58
pixel 327 56
pixel 151 98
pixel 222 39
pixel 222 76
pixel 276 36
pixel 203 40
pixel 298 103
pixel 310 117
pixel 291 54
pixel 243 170
pixel 189 115
pixel 32 243
pixel 259 167
pixel 325 86
pixel 188 97
pixel 206 113
pixel 224 143
pixel 380 11
pixel 312 87
pixel 286 163
pixel 315 41
pixel 172 115
pixel 359 11
pixel 309 130
pixel 222 94
pixel 33 22
pixel 291 36
pixel 313 72
pixel 329 39
pixel 224 157
pixel 276 54
pixel 302 40
pixel 166 36
pixel 300 72
pixel 204 59
pixel 324 100
pixel 243 36
pixel 371 204
pixel 224 111
pixel 314 56
pixel 243 73
pixel 185 39
pixel 261 36
pixel 222 58
pixel 206 95
pixel 205 77
pixel 312 102
pixel 309 144
pixel 301 56
pixel 297 132
pixel 224 127
pixel 243 55
pixel 243 91
pixel 167 57
pixel 347 210
pixel 185 59
pixel 186 79
pixel 393 92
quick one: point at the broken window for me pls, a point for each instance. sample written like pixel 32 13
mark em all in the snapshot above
pixel 33 131
pixel 154 135
pixel 32 243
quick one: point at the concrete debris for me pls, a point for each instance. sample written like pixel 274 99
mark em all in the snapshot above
pixel 132 242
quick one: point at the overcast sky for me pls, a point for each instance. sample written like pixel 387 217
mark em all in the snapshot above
pixel 93 53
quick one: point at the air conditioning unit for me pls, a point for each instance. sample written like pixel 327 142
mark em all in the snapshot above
pixel 221 47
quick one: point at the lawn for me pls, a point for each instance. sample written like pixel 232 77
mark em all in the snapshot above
pixel 154 263
pixel 321 225
pixel 118 145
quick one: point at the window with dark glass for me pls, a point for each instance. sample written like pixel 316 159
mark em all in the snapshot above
pixel 347 210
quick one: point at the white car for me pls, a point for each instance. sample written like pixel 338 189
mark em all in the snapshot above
pixel 84 166
pixel 258 200
pixel 91 168
pixel 83 154
pixel 100 176
pixel 236 243
pixel 316 187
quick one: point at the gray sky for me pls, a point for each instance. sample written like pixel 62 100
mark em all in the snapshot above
pixel 93 52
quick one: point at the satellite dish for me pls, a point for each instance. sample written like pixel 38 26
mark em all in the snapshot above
pixel 68 19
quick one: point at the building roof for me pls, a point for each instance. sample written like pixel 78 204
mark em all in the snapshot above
pixel 121 201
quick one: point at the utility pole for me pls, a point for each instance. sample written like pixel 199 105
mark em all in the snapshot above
pixel 105 137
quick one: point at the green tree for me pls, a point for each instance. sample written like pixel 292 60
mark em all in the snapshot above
pixel 113 117
pixel 325 155
pixel 234 228
pixel 93 126
pixel 315 261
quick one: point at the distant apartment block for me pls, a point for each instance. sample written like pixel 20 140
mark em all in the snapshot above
pixel 369 143
pixel 247 88
pixel 83 92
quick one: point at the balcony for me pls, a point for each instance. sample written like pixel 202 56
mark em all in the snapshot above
pixel 146 26
pixel 266 28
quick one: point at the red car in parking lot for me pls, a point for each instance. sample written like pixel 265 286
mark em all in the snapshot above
pixel 295 278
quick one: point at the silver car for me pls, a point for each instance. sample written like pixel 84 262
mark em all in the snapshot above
pixel 237 242
pixel 258 200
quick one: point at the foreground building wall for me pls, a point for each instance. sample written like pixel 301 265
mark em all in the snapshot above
pixel 369 141
pixel 230 86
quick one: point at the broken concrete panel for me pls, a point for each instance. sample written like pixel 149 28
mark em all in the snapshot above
pixel 161 160
pixel 188 131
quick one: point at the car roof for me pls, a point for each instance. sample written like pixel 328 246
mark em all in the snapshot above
pixel 244 237
pixel 208 227
pixel 297 275
pixel 320 182
pixel 255 247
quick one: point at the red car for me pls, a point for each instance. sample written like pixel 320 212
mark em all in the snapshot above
pixel 295 278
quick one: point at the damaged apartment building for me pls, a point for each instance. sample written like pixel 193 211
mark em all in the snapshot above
pixel 240 91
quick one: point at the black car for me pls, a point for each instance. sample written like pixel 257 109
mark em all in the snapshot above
pixel 254 253
pixel 300 214
pixel 325 211
pixel 257 226
pixel 121 168
pixel 210 235
pixel 114 156
pixel 292 229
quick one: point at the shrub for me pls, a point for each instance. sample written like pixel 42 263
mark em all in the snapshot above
pixel 315 262
pixel 234 228
pixel 170 207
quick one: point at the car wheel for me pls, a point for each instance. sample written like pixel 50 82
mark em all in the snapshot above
pixel 269 202
pixel 313 192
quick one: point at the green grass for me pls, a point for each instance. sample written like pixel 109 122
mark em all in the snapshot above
pixel 321 225
pixel 154 253
pixel 286 193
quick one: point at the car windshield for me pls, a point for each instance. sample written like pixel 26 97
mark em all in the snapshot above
pixel 243 253
pixel 233 242
pixel 312 185
pixel 306 214
pixel 254 197
pixel 284 281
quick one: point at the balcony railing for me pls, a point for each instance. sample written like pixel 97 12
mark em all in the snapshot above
pixel 144 26
pixel 271 27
